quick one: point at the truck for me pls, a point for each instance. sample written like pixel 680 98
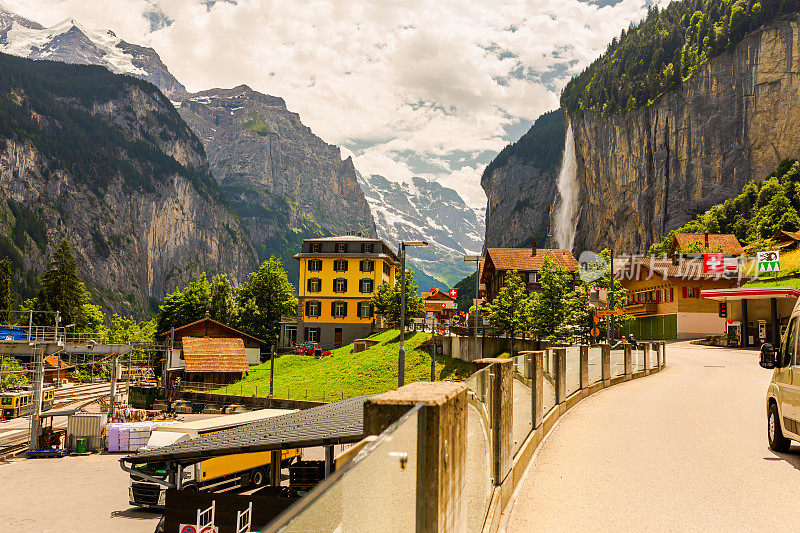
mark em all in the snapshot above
pixel 226 473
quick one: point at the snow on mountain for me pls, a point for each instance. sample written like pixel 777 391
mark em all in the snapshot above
pixel 70 42
pixel 426 210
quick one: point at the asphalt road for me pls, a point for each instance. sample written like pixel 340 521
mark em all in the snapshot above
pixel 685 449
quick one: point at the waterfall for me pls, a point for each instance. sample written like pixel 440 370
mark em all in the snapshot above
pixel 567 206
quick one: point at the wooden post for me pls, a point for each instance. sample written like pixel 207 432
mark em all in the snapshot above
pixel 628 349
pixel 561 374
pixel 584 366
pixel 605 356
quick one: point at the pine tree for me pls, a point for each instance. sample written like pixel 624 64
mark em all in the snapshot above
pixel 6 298
pixel 264 299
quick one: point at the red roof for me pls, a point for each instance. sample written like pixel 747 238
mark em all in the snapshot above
pixel 524 258
pixel 214 355
pixel 216 325
pixel 726 243
pixel 52 361
pixel 441 295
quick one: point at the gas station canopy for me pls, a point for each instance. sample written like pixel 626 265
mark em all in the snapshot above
pixel 750 293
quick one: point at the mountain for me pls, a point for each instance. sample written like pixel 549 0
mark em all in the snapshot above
pixel 426 210
pixel 106 161
pixel 69 42
pixel 678 115
pixel 284 182
pixel 520 185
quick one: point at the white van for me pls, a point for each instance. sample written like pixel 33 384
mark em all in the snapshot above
pixel 783 394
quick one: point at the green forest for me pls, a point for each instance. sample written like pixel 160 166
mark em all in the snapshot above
pixel 754 216
pixel 542 143
pixel 665 49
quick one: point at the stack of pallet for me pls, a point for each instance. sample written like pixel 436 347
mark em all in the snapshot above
pixel 130 436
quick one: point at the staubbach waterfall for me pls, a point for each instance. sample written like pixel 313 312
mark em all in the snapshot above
pixel 567 205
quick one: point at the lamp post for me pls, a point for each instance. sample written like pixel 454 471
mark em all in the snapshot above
pixel 401 361
pixel 477 259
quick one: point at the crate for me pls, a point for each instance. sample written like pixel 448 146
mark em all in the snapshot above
pixel 306 474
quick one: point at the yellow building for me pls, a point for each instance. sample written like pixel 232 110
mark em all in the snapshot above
pixel 338 276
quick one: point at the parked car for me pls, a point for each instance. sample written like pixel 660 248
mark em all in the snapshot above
pixel 783 400
pixel 311 348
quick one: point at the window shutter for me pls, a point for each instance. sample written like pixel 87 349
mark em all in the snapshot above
pixel 344 289
pixel 308 286
pixel 697 292
pixel 333 308
pixel 371 311
pixel 308 306
pixel 685 291
pixel 344 308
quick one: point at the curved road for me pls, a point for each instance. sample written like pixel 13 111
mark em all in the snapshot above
pixel 685 449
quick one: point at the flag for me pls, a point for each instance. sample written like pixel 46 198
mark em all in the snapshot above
pixel 434 291
pixel 713 263
pixel 444 305
pixel 453 293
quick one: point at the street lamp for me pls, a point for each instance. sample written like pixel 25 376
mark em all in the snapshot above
pixel 401 362
pixel 477 259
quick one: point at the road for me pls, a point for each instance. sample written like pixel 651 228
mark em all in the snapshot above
pixel 685 449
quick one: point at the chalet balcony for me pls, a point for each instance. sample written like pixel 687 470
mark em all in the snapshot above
pixel 638 309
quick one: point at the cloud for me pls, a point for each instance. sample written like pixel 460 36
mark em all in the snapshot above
pixel 408 87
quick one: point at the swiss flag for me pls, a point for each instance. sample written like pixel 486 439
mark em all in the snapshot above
pixel 453 293
pixel 444 305
pixel 713 263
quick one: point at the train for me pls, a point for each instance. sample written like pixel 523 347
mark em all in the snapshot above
pixel 19 401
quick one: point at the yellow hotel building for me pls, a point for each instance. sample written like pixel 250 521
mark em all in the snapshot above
pixel 338 276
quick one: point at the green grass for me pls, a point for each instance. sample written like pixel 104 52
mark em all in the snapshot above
pixel 774 282
pixel 344 374
pixel 257 124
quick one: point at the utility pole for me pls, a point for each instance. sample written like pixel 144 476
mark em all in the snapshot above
pixel 401 360
pixel 433 350
pixel 113 393
pixel 611 299
pixel 271 371
pixel 38 378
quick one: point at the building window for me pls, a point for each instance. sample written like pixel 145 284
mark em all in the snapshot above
pixel 340 285
pixel 533 277
pixel 312 334
pixel 366 248
pixel 364 310
pixel 366 285
pixel 340 265
pixel 341 247
pixel 367 265
pixel 315 247
pixel 314 285
pixel 387 270
pixel 315 265
pixel 313 308
pixel 339 309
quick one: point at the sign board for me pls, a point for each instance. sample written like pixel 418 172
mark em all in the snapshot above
pixel 595 332
pixel 609 312
pixel 453 293
pixel 723 309
pixel 429 315
pixel 434 291
pixel 444 305
pixel 768 262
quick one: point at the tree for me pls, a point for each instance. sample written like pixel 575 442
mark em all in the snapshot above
pixel 13 373
pixel 123 330
pixel 6 297
pixel 386 300
pixel 551 304
pixel 264 299
pixel 512 310
pixel 186 306
pixel 222 305
pixel 62 290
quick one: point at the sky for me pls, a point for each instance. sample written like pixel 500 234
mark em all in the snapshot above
pixel 430 88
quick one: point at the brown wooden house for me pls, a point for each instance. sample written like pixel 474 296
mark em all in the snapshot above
pixel 528 262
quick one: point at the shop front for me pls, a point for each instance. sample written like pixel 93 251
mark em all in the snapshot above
pixel 753 315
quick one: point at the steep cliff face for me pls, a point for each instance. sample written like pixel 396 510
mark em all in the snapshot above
pixel 520 185
pixel 107 162
pixel 644 172
pixel 281 179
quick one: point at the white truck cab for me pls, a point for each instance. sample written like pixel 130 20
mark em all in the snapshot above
pixel 783 394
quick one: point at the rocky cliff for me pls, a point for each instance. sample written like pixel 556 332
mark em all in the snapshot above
pixel 520 185
pixel 106 161
pixel 642 173
pixel 284 182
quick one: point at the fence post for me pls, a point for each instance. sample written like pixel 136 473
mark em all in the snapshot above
pixel 663 354
pixel 605 357
pixel 646 352
pixel 560 355
pixel 501 416
pixel 584 366
pixel 628 349
pixel 537 394
pixel 441 447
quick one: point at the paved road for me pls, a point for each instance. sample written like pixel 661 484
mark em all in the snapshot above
pixel 685 449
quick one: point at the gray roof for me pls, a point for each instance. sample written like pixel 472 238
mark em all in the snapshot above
pixel 335 423
pixel 344 238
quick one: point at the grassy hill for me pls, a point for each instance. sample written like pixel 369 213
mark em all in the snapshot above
pixel 344 374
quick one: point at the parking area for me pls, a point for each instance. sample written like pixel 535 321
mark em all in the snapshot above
pixel 76 493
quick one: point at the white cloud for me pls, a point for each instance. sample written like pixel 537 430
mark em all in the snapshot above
pixel 402 85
